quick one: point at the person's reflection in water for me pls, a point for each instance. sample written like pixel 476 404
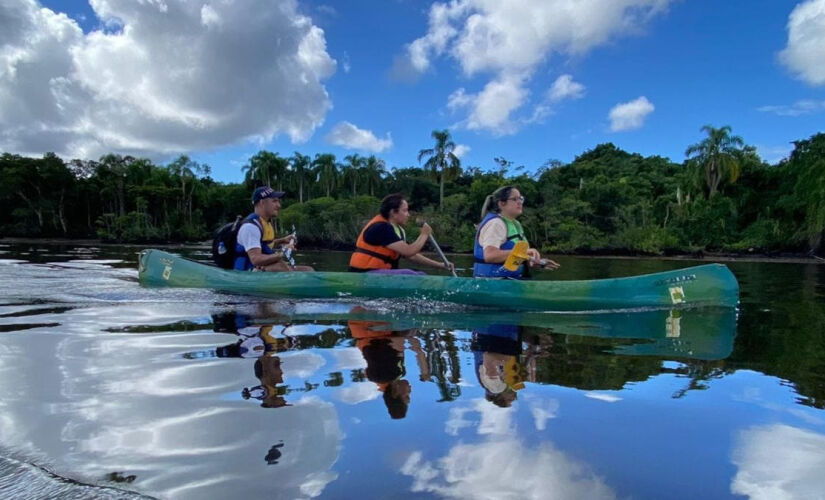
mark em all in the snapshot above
pixel 268 392
pixel 383 350
pixel 496 350
pixel 256 341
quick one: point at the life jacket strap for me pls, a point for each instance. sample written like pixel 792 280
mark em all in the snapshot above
pixel 377 255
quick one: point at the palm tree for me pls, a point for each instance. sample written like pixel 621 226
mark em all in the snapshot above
pixel 185 170
pixel 352 171
pixel 255 171
pixel 279 167
pixel 442 161
pixel 717 156
pixel 374 170
pixel 300 168
pixel 265 166
pixel 327 170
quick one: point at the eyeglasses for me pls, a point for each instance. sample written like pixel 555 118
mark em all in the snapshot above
pixel 519 199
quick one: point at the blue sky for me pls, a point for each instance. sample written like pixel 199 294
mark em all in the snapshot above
pixel 528 80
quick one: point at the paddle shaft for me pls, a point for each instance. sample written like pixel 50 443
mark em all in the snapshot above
pixel 441 254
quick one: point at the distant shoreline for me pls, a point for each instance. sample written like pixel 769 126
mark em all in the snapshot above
pixel 704 256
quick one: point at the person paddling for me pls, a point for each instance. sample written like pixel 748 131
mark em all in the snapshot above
pixel 382 241
pixel 256 238
pixel 498 235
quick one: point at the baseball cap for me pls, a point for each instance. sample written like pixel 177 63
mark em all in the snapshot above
pixel 265 192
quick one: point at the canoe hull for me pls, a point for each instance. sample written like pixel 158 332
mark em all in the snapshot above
pixel 711 284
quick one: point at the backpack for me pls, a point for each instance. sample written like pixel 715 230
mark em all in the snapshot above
pixel 224 244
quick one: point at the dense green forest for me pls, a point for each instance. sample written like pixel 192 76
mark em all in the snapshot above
pixel 722 197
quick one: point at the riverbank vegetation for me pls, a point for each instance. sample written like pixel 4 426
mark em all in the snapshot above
pixel 722 197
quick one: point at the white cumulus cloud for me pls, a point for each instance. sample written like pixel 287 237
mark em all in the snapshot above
pixel 347 135
pixel 513 38
pixel 630 115
pixel 803 107
pixel 358 393
pixel 565 88
pixel 805 53
pixel 504 468
pixel 461 150
pixel 491 108
pixel 779 462
pixel 163 78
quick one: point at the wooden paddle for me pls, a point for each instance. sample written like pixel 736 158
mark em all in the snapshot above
pixel 443 257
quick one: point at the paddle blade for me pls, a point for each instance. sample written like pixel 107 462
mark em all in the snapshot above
pixel 517 256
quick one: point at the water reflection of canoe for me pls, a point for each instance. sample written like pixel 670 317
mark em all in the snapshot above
pixel 711 284
pixel 703 333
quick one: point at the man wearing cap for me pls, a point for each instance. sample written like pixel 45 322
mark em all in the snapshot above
pixel 256 237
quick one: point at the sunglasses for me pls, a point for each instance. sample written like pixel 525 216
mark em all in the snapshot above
pixel 519 199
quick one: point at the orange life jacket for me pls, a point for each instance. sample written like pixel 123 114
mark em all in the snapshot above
pixel 367 257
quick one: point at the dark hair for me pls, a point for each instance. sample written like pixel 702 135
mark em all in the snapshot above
pixel 503 399
pixel 491 202
pixel 391 202
pixel 396 405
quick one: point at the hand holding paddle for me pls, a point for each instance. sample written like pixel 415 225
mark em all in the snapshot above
pixel 548 264
pixel 536 260
pixel 288 247
pixel 447 264
pixel 521 252
pixel 425 228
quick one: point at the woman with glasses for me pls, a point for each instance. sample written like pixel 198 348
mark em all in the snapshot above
pixel 498 233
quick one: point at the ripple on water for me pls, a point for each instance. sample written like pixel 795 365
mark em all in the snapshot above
pixel 20 479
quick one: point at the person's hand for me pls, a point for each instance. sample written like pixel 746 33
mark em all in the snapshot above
pixel 426 230
pixel 290 245
pixel 549 264
pixel 286 240
pixel 535 256
pixel 449 266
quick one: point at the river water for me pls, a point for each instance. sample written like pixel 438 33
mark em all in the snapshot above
pixel 112 390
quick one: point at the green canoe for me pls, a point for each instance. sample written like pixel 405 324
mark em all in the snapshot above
pixel 711 284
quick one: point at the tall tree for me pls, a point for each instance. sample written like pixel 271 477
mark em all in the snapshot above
pixel 186 170
pixel 374 171
pixel 807 165
pixel 300 169
pixel 265 167
pixel 717 156
pixel 442 161
pixel 327 171
pixel 112 171
pixel 352 171
pixel 42 184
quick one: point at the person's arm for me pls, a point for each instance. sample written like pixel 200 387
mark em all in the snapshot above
pixel 410 249
pixel 492 236
pixel 421 259
pixel 420 358
pixel 495 255
pixel 249 236
pixel 260 259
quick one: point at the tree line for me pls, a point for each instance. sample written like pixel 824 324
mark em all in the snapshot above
pixel 722 197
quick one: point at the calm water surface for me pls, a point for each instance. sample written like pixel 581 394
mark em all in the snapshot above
pixel 112 390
